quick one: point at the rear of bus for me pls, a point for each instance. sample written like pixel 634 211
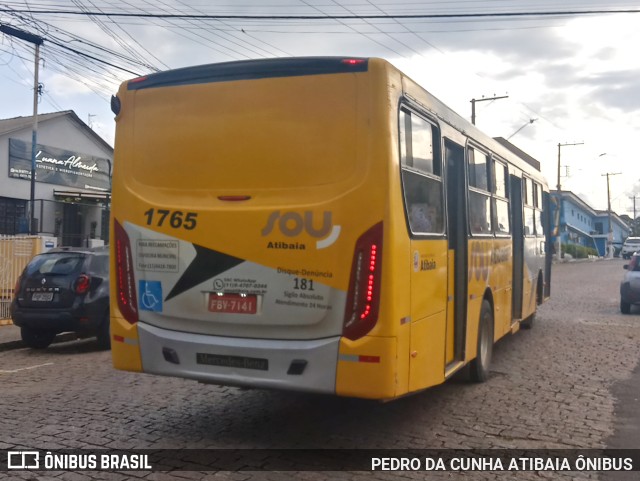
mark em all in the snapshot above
pixel 250 221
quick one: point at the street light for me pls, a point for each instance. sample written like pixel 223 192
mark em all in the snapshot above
pixel 528 123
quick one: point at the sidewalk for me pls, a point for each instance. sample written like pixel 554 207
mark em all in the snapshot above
pixel 10 337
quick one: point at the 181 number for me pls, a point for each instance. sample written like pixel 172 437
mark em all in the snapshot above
pixel 303 284
pixel 176 218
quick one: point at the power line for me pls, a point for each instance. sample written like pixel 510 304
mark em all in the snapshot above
pixel 78 52
pixel 201 16
pixel 364 34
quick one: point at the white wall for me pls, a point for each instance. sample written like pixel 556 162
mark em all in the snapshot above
pixel 62 132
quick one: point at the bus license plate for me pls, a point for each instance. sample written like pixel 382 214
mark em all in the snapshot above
pixel 42 296
pixel 233 303
pixel 232 361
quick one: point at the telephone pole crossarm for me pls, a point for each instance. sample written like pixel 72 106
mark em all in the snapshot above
pixel 473 105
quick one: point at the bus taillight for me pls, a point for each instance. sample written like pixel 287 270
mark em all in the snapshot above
pixel 125 281
pixel 363 299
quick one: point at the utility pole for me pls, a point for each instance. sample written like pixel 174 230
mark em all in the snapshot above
pixel 610 237
pixel 473 105
pixel 37 41
pixel 633 224
pixel 558 211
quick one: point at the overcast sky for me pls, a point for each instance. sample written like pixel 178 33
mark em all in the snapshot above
pixel 575 76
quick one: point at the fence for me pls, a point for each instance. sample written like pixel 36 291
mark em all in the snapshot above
pixel 15 254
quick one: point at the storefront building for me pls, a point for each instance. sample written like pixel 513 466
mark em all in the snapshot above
pixel 73 179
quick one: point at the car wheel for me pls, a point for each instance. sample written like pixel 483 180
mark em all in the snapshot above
pixel 479 367
pixel 104 333
pixel 37 338
pixel 625 307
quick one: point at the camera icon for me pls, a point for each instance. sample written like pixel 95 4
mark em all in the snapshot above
pixel 23 460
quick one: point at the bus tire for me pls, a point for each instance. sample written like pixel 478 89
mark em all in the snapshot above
pixel 479 367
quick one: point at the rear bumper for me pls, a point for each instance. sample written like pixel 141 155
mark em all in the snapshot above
pixel 57 320
pixel 259 363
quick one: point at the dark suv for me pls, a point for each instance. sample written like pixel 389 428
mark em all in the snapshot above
pixel 64 289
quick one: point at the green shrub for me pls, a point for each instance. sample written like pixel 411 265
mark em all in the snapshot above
pixel 578 252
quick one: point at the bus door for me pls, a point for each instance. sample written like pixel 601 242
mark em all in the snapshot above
pixel 517 224
pixel 548 253
pixel 458 251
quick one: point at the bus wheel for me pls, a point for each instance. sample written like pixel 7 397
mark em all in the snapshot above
pixel 479 367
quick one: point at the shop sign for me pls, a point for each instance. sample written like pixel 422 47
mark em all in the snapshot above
pixel 58 166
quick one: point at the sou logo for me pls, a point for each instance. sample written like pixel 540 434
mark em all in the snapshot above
pixel 293 224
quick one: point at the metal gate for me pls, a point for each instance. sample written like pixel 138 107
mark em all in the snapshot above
pixel 15 254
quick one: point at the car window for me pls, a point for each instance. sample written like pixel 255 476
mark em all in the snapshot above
pixel 55 264
pixel 100 265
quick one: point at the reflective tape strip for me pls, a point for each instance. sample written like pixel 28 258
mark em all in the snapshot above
pixel 356 358
pixel 125 340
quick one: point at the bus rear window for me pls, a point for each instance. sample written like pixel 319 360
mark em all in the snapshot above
pixel 259 134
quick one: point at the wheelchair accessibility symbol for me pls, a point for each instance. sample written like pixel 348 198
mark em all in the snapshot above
pixel 150 296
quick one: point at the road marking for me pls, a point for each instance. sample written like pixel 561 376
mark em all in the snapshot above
pixel 5 371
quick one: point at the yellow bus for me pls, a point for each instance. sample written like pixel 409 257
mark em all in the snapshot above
pixel 316 224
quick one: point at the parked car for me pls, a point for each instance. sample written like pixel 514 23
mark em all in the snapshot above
pixel 630 286
pixel 64 289
pixel 631 245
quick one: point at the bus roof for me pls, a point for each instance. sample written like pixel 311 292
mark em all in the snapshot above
pixel 250 70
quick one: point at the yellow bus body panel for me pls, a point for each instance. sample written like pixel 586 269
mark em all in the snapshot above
pixel 374 378
pixel 125 349
pixel 427 353
pixel 428 264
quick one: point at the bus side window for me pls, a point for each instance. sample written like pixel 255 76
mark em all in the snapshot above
pixel 479 197
pixel 529 211
pixel 421 173
pixel 479 213
pixel 539 212
pixel 424 203
pixel 501 221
